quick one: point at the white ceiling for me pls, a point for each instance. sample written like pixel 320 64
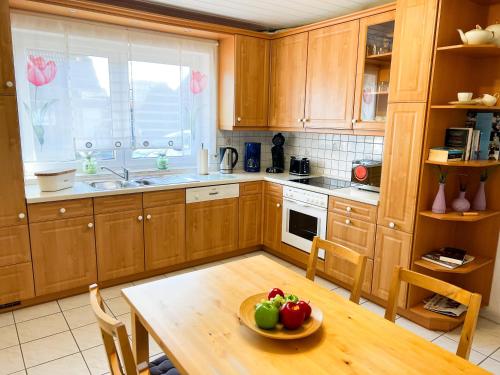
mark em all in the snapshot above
pixel 274 14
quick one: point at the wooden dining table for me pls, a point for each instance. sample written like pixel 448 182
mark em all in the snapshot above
pixel 194 318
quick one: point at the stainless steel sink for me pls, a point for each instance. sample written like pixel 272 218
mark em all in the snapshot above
pixel 167 180
pixel 114 184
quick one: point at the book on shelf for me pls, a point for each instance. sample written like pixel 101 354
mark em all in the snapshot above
pixel 484 126
pixel 459 138
pixel 435 257
pixel 445 154
pixel 452 255
pixel 444 305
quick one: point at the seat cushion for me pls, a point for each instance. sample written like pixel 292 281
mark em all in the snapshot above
pixel 162 366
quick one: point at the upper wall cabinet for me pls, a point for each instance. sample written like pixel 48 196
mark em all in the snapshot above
pixel 244 82
pixel 7 86
pixel 288 79
pixel 374 64
pixel 413 41
pixel 331 72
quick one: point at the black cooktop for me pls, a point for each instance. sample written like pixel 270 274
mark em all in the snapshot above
pixel 323 182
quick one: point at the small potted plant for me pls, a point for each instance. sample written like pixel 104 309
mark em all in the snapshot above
pixel 162 161
pixel 439 204
pixel 89 163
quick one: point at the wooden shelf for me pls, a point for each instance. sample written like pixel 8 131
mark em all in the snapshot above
pixel 457 216
pixel 432 320
pixel 466 163
pixel 380 57
pixel 480 50
pixel 476 264
pixel 378 93
pixel 473 107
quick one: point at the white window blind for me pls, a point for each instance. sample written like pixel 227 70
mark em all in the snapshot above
pixel 123 94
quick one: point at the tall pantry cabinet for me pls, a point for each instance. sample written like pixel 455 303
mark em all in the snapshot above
pixel 16 274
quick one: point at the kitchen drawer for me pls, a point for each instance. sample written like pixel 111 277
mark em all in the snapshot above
pixel 342 270
pixel 14 245
pixel 356 210
pixel 272 188
pixel 117 203
pixel 16 283
pixel 357 235
pixel 249 188
pixel 59 210
pixel 164 198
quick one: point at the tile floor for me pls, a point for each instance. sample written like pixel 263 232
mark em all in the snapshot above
pixel 56 336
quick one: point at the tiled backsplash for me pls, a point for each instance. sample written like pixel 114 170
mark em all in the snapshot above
pixel 330 154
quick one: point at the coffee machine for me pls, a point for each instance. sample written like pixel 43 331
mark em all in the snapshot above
pixel 252 157
pixel 278 155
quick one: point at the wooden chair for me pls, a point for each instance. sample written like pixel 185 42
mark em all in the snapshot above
pixel 342 252
pixel 471 300
pixel 110 328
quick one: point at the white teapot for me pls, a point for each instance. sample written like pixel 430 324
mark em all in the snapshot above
pixel 477 36
pixel 495 28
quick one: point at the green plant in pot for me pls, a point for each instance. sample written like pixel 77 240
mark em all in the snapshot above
pixel 162 161
pixel 89 163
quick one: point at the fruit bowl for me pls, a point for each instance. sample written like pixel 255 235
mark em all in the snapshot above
pixel 247 311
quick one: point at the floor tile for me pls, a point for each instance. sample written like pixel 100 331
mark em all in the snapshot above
pixel 74 301
pixel 49 348
pixel 419 330
pixel 8 336
pixel 36 311
pixel 80 316
pixel 73 364
pixel 22 372
pixel 491 365
pixel 325 283
pixel 126 319
pixel 154 348
pixel 114 291
pixel 347 294
pixel 496 355
pixel 11 360
pixel 41 327
pixel 148 280
pixel 6 319
pixel 296 269
pixel 96 360
pixel 373 307
pixel 452 345
pixel 118 306
pixel 486 339
pixel 87 336
pixel 180 272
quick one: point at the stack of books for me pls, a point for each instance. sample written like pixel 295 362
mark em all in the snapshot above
pixel 448 257
pixel 443 305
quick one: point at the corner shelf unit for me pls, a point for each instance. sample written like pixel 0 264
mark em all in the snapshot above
pixel 476 264
pixel 432 320
pixel 466 163
pixel 479 50
pixel 467 107
pixel 457 216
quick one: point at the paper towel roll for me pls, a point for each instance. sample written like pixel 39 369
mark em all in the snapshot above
pixel 203 161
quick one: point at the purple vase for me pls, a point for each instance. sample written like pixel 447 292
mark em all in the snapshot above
pixel 439 204
pixel 479 202
pixel 460 204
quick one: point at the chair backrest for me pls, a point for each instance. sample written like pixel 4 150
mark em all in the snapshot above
pixel 471 300
pixel 110 328
pixel 333 249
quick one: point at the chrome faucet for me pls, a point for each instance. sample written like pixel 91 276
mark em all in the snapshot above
pixel 125 172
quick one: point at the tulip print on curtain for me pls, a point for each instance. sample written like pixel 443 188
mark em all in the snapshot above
pixel 39 73
pixel 198 83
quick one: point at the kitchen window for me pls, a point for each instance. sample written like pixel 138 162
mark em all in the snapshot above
pixel 121 96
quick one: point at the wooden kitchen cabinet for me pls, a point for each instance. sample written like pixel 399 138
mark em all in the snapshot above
pixel 331 72
pixel 288 80
pixel 400 174
pixel 344 271
pixel 352 233
pixel 64 255
pixel 250 215
pixel 272 216
pixel 7 79
pixel 13 207
pixel 14 245
pixel 120 244
pixel 16 283
pixel 412 57
pixel 392 248
pixel 211 228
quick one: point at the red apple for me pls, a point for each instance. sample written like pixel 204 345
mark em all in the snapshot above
pixel 306 308
pixel 291 315
pixel 275 292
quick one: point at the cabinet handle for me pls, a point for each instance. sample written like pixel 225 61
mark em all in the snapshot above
pixel 300 120
pixel 139 218
pixel 354 121
pixel 21 216
pixel 238 119
pixel 62 210
pixel 278 205
pixel 9 84
pixel 347 221
pixel 348 209
pixel 148 217
pixel 90 225
pixel 305 120
pixel 392 225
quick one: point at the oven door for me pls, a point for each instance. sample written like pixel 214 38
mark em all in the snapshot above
pixel 301 222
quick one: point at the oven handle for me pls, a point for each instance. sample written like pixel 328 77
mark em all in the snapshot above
pixel 304 204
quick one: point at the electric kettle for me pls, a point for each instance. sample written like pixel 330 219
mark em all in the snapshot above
pixel 228 159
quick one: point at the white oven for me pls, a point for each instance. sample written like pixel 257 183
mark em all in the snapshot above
pixel 304 216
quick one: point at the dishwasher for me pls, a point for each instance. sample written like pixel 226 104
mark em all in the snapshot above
pixel 211 220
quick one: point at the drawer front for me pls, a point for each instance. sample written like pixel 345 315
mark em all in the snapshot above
pixel 164 198
pixel 60 210
pixel 16 283
pixel 343 271
pixel 354 234
pixel 117 203
pixel 272 188
pixel 249 188
pixel 353 209
pixel 14 245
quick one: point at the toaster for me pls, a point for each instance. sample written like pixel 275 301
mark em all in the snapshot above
pixel 365 174
pixel 299 167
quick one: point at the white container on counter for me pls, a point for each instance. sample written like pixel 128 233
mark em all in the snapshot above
pixel 56 179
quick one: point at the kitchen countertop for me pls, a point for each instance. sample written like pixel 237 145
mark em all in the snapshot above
pixel 83 190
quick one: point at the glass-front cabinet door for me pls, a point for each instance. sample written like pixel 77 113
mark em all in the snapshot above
pixel 376 34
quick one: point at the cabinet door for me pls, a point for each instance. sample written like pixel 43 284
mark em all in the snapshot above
pixel 14 245
pixel 212 227
pixel 344 271
pixel 16 283
pixel 164 236
pixel 252 81
pixel 63 254
pixel 120 244
pixel 331 76
pixel 400 172
pixel 288 81
pixel 7 86
pixel 250 212
pixel 392 248
pixel 354 234
pixel 13 209
pixel 273 213
pixel 412 52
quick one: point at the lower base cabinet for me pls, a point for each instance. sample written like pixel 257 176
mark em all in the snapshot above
pixel 273 215
pixel 342 270
pixel 14 245
pixel 63 253
pixel 250 213
pixel 211 227
pixel 16 283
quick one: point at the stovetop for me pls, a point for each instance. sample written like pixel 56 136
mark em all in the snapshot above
pixel 323 182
